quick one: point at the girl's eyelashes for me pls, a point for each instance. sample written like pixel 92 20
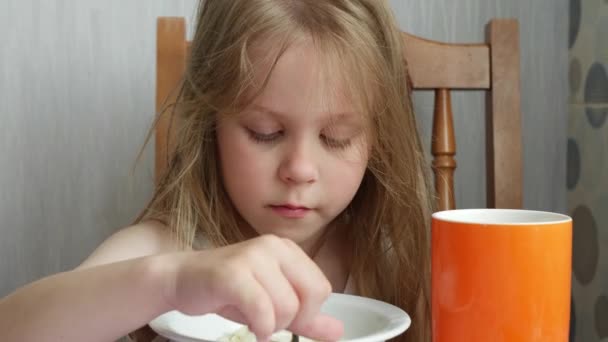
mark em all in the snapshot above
pixel 264 137
pixel 268 138
pixel 338 144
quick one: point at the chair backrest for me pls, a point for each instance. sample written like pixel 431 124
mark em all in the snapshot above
pixel 492 66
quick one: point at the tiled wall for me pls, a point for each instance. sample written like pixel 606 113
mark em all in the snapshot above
pixel 587 171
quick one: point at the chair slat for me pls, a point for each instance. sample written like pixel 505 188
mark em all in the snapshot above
pixel 503 131
pixel 170 66
pixel 434 65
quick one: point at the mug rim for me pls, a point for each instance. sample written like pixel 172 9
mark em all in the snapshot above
pixel 509 217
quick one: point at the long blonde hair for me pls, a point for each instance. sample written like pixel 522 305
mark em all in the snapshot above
pixel 389 216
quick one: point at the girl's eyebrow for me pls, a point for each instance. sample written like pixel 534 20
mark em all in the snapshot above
pixel 277 114
pixel 264 110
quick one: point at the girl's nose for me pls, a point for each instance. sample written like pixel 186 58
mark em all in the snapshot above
pixel 299 166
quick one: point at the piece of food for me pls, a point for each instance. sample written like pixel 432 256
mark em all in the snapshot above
pixel 244 335
pixel 241 335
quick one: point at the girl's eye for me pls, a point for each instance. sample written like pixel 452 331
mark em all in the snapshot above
pixel 263 137
pixel 339 144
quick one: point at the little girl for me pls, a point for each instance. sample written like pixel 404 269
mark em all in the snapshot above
pixel 297 171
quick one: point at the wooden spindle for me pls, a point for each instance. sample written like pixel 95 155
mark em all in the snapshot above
pixel 443 150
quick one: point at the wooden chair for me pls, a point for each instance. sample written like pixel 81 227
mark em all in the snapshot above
pixel 492 66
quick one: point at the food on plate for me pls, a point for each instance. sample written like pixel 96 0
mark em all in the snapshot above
pixel 244 335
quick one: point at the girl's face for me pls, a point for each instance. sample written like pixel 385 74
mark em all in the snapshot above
pixel 296 156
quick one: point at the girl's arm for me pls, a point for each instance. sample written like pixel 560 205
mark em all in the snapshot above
pixel 114 291
pixel 268 283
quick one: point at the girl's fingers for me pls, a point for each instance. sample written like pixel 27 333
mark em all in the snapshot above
pixel 270 284
pixel 232 313
pixel 254 305
pixel 321 328
pixel 308 280
pixel 284 298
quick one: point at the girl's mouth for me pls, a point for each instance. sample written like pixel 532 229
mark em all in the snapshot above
pixel 290 210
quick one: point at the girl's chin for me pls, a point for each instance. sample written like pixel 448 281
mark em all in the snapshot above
pixel 296 235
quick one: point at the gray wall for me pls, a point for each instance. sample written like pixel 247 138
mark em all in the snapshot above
pixel 77 96
pixel 77 86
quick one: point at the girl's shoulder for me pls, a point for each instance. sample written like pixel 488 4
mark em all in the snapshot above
pixel 139 240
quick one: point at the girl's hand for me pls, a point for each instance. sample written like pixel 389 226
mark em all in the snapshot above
pixel 267 283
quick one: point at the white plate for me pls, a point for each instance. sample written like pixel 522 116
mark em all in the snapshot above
pixel 365 320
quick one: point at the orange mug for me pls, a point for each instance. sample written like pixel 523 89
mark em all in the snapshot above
pixel 500 275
